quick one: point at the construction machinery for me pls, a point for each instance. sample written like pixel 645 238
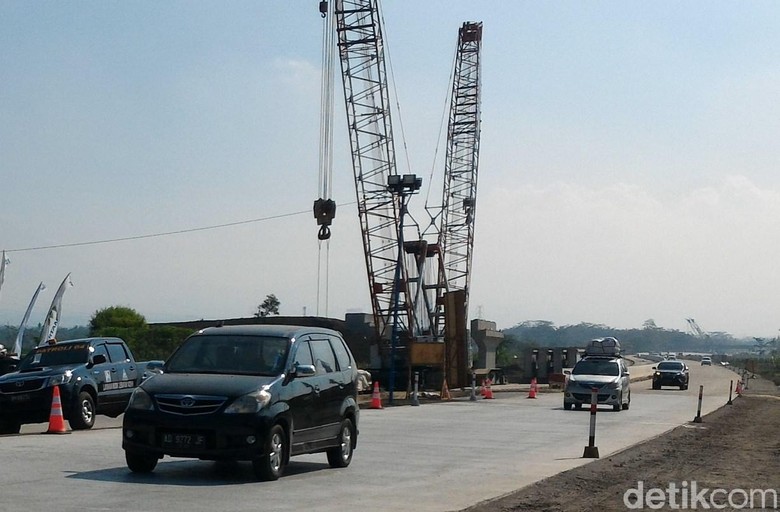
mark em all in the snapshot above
pixel 418 278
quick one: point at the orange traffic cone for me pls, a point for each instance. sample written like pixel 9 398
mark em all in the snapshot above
pixel 532 391
pixel 445 391
pixel 56 420
pixel 488 390
pixel 376 398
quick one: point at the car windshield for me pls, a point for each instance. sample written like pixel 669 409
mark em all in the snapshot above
pixel 234 354
pixel 56 355
pixel 677 367
pixel 596 367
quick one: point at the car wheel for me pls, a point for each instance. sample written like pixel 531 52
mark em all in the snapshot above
pixel 341 455
pixel 83 416
pixel 627 404
pixel 270 465
pixel 578 406
pixel 140 462
pixel 567 406
pixel 10 427
pixel 656 386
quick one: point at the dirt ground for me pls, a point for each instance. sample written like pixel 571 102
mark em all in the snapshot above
pixel 735 448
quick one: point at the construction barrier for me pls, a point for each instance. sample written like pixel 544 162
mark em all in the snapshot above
pixel 697 419
pixel 56 419
pixel 415 399
pixel 376 398
pixel 592 451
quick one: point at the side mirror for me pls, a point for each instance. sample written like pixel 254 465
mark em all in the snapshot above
pixel 653 368
pixel 96 359
pixel 567 372
pixel 304 370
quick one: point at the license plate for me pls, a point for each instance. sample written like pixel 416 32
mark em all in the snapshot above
pixel 184 440
pixel 20 398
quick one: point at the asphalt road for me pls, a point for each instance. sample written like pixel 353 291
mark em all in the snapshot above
pixel 437 457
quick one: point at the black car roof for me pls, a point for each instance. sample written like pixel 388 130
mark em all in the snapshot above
pixel 284 331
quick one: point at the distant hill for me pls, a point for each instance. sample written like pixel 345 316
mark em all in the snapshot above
pixel 542 333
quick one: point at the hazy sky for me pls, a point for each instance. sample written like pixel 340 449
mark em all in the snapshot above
pixel 628 171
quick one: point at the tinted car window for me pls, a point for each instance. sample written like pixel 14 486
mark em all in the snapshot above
pixel 53 355
pixel 596 367
pixel 248 355
pixel 100 349
pixel 117 353
pixel 670 366
pixel 303 355
pixel 342 356
pixel 324 359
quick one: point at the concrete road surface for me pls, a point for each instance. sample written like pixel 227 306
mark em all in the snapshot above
pixel 436 457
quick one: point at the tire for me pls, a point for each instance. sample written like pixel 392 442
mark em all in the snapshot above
pixel 140 462
pixel 627 404
pixel 9 427
pixel 270 465
pixel 619 406
pixel 341 456
pixel 567 406
pixel 83 415
pixel 656 386
pixel 578 406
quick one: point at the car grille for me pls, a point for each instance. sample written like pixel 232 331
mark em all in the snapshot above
pixel 189 405
pixel 582 397
pixel 25 387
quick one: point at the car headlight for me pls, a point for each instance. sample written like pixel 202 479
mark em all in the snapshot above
pixel 141 401
pixel 613 385
pixel 249 403
pixel 61 379
pixel 657 374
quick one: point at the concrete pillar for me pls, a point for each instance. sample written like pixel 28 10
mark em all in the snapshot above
pixel 557 359
pixel 529 364
pixel 488 339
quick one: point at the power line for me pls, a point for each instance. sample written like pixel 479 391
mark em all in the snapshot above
pixel 155 235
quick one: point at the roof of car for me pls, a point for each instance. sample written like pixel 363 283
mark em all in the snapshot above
pixel 284 331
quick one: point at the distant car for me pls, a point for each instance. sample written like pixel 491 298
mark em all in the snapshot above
pixel 706 361
pixel 671 373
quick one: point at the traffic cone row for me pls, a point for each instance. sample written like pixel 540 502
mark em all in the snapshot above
pixel 532 391
pixel 376 398
pixel 56 419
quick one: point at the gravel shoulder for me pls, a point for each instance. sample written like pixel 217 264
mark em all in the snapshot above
pixel 734 448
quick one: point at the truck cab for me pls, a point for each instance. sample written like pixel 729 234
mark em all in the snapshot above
pixel 94 375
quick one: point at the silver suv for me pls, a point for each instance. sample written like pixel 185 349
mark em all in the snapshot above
pixel 608 374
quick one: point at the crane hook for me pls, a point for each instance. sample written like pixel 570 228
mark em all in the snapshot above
pixel 323 8
pixel 324 233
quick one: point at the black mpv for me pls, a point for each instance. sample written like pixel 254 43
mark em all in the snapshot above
pixel 258 393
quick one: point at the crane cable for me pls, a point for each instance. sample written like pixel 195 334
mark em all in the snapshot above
pixel 325 207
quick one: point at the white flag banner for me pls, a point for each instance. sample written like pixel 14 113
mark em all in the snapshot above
pixel 20 335
pixel 49 330
pixel 3 262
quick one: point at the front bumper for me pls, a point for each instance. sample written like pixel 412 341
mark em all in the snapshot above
pixel 670 380
pixel 34 405
pixel 208 437
pixel 579 395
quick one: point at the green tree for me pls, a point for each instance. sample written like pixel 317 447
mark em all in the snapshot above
pixel 270 306
pixel 115 317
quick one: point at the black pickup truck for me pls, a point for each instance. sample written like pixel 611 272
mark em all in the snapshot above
pixel 94 375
